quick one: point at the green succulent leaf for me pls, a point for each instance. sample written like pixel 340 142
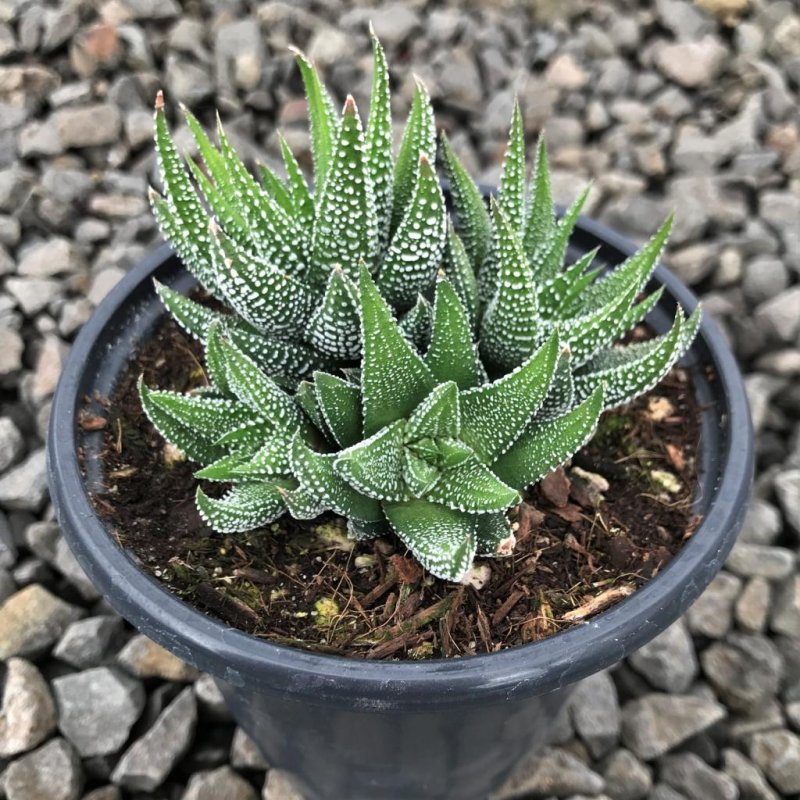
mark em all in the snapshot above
pixel 437 415
pixel 472 486
pixel 180 213
pixel 511 329
pixel 299 193
pixel 374 466
pixel 511 196
pixel 223 469
pixel 547 262
pixel 192 317
pixel 415 324
pixel 300 503
pixel 273 356
pixel 541 218
pixel 340 404
pixel 271 460
pixel 441 538
pixel 394 378
pixel 345 225
pixel 215 360
pixel 258 391
pixel 561 395
pixel 629 371
pixel 545 446
pixel 634 272
pixel 560 292
pixel 246 506
pixel 270 300
pixel 419 475
pixel 415 251
pixel 473 218
pixel 379 140
pixel 452 354
pixel 316 474
pixel 322 118
pixel 495 414
pixel 494 535
pixel 419 138
pixel 193 424
pixel 276 188
pixel 335 327
pixel 459 272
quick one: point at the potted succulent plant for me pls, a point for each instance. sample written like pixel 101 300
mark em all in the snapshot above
pixel 387 363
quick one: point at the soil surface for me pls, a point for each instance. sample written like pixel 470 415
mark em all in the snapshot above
pixel 587 536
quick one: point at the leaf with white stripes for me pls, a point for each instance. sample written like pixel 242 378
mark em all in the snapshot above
pixel 442 539
pixel 415 251
pixel 547 445
pixel 419 138
pixel 246 506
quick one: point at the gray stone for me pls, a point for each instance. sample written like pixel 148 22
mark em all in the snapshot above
pixel 217 784
pixel 56 256
pixel 33 294
pixel 8 585
pixel 763 561
pixel 16 184
pixel 24 487
pixel 787 488
pixel 39 139
pixel 244 753
pixel 32 620
pixel 748 777
pixel 689 774
pixel 656 723
pixel 239 53
pixel 28 715
pixel 104 793
pixel 712 613
pixel 394 23
pixel 552 772
pixel 152 9
pixel 595 712
pixel 86 642
pixel 459 82
pixel 745 670
pixel 786 610
pixel 97 709
pixel 53 772
pixel 329 46
pixel 668 661
pixel 146 764
pixel 66 563
pixel 187 82
pixel 11 349
pixel 780 316
pixel 694 263
pixel 280 785
pixel 661 791
pixel 143 658
pixel 626 777
pixel 777 753
pixel 764 278
pixel 692 64
pixel 88 126
pixel 752 606
pixel 11 443
pixel 781 210
pixel 103 282
pixel 211 699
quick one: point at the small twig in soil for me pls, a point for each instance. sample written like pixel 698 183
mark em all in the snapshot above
pixel 505 609
pixel 598 603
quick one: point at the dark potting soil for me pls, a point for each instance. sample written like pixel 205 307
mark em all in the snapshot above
pixel 587 536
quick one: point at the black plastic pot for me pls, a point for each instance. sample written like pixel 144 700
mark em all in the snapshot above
pixel 352 729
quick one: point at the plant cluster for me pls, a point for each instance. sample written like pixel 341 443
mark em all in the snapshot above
pixel 377 359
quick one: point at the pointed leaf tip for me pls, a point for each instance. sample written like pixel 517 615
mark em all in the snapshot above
pixel 159 102
pixel 349 105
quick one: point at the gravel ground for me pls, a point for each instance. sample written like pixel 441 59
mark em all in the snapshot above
pixel 666 105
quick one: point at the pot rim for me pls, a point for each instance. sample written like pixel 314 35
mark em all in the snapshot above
pixel 243 660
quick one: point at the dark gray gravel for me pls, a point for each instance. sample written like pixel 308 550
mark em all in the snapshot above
pixel 672 104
